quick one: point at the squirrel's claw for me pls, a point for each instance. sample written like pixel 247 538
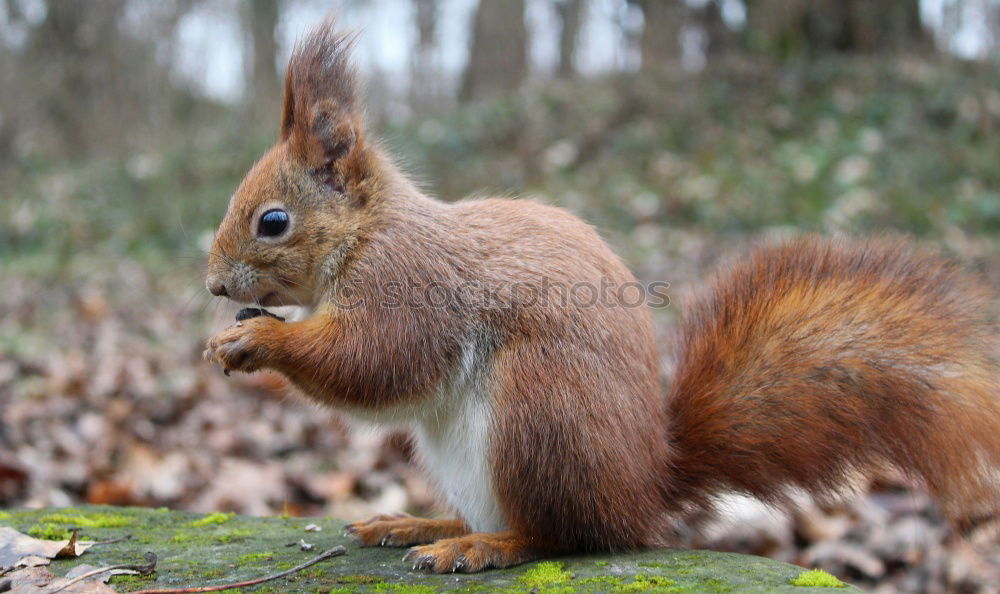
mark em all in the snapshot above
pixel 240 347
pixel 419 561
pixel 209 356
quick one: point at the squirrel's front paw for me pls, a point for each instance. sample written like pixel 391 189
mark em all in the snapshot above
pixel 243 346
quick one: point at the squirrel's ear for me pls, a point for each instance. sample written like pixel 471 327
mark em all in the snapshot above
pixel 334 131
pixel 288 109
pixel 321 118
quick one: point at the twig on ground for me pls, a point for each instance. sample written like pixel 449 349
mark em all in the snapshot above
pixel 114 540
pixel 334 552
pixel 144 569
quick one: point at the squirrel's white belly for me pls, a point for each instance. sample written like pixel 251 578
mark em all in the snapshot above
pixel 453 441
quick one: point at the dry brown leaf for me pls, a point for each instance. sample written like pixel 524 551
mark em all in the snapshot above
pixel 33 579
pixel 17 549
pixel 33 561
pixel 13 476
pixel 21 579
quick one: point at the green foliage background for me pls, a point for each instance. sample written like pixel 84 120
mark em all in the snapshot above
pixel 840 145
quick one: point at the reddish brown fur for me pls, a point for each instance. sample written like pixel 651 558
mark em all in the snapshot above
pixel 475 552
pixel 400 530
pixel 812 362
pixel 805 365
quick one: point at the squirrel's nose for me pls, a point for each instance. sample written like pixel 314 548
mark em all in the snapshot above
pixel 216 288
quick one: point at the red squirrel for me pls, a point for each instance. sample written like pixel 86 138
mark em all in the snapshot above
pixel 807 365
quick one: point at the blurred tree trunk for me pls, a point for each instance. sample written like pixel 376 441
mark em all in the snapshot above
pixel 993 26
pixel 425 76
pixel 660 44
pixel 570 16
pixel 94 85
pixel 498 50
pixel 811 27
pixel 10 98
pixel 265 89
pixel 719 38
pixel 74 49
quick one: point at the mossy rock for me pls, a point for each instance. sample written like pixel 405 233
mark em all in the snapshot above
pixel 202 550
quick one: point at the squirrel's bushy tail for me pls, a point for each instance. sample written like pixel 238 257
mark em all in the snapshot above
pixel 814 364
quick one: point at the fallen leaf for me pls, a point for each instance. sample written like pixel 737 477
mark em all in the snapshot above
pixel 32 579
pixel 13 477
pixel 17 549
pixel 29 576
pixel 31 561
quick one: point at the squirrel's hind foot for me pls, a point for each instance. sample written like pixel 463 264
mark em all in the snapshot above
pixel 472 553
pixel 401 530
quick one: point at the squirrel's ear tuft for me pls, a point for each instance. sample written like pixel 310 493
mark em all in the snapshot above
pixel 321 115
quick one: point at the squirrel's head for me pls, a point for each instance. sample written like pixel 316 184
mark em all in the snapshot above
pixel 298 213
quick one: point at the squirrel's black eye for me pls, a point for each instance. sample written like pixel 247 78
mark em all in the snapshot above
pixel 272 223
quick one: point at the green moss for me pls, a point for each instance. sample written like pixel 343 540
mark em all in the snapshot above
pixel 184 536
pixel 195 537
pixel 648 583
pixel 254 558
pixel 405 588
pixel 603 583
pixel 546 573
pixel 652 564
pixel 210 519
pixel 548 577
pixel 49 532
pixel 359 579
pixel 234 536
pixel 817 578
pixel 4 515
pixel 133 580
pixel 601 563
pixel 716 585
pixel 88 520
